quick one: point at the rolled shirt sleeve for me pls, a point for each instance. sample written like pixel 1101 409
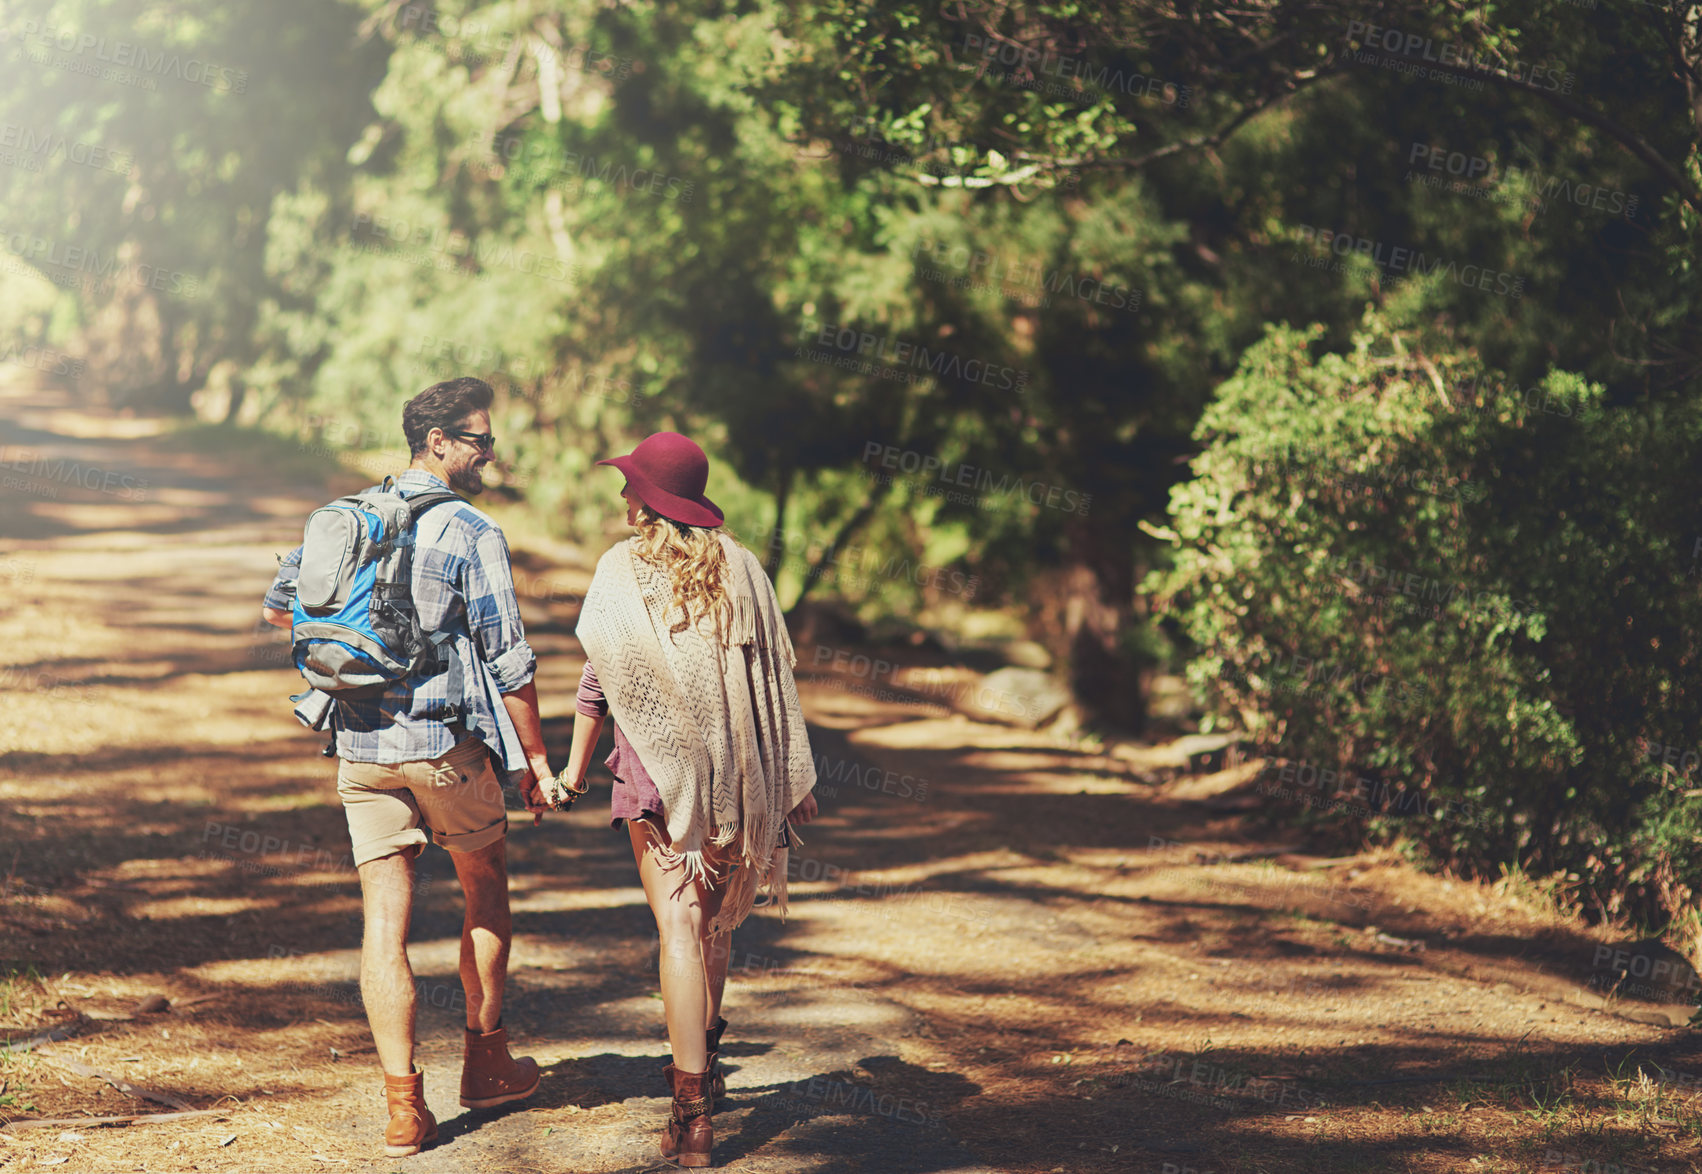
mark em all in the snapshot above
pixel 281 595
pixel 590 700
pixel 493 614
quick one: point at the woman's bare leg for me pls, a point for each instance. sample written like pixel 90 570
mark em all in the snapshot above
pixel 680 925
pixel 716 953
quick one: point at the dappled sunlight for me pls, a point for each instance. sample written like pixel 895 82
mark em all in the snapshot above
pixel 1041 934
pixel 531 895
pixel 197 906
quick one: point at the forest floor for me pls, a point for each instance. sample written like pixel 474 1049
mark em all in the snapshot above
pixel 1007 951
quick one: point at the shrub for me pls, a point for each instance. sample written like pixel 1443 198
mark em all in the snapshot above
pixel 1476 602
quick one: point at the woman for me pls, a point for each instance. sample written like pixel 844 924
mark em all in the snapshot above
pixel 686 647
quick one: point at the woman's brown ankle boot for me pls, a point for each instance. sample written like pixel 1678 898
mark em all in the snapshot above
pixel 411 1123
pixel 717 1078
pixel 690 1134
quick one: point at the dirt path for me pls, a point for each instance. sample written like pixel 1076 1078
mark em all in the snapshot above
pixel 1006 951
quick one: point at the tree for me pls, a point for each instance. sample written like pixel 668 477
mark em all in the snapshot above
pixel 156 152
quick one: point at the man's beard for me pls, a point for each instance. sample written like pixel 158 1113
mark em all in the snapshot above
pixel 466 481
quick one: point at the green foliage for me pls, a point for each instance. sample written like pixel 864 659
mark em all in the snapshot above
pixel 1481 599
pixel 631 218
pixel 148 155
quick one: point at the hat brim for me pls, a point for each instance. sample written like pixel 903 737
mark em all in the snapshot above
pixel 692 511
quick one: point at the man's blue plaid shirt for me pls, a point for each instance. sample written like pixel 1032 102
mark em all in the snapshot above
pixel 463 584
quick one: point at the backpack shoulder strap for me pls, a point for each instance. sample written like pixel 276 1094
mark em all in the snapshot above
pixel 421 502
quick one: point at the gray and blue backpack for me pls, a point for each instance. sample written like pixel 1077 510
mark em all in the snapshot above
pixel 355 631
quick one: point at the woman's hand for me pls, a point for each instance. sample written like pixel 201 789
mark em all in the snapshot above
pixel 559 792
pixel 804 811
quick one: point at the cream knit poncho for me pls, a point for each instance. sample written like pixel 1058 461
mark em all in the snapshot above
pixel 712 712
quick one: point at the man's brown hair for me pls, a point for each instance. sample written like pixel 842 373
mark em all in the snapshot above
pixel 443 405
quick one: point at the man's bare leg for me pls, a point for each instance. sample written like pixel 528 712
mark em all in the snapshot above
pixel 386 978
pixel 487 932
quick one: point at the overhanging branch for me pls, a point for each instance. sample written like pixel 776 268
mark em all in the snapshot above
pixel 1206 142
pixel 1627 138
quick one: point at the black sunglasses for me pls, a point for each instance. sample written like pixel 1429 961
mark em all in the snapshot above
pixel 485 440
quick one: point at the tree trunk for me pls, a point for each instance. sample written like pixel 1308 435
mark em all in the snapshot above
pixel 238 393
pixel 777 540
pixel 1096 614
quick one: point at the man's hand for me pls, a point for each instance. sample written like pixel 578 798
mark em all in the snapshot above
pixel 522 706
pixel 804 811
pixel 277 617
pixel 532 791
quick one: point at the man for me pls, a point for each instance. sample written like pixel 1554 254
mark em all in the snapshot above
pixel 417 759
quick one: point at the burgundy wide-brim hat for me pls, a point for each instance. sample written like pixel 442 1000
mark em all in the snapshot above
pixel 668 473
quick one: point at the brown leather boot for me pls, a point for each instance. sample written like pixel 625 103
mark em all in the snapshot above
pixel 690 1135
pixel 490 1076
pixel 717 1078
pixel 411 1123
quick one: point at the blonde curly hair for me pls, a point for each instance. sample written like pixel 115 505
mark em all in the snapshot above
pixel 694 561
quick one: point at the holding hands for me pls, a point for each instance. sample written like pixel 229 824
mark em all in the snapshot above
pixel 561 794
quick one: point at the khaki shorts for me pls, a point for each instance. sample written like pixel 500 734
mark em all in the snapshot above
pixel 391 806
